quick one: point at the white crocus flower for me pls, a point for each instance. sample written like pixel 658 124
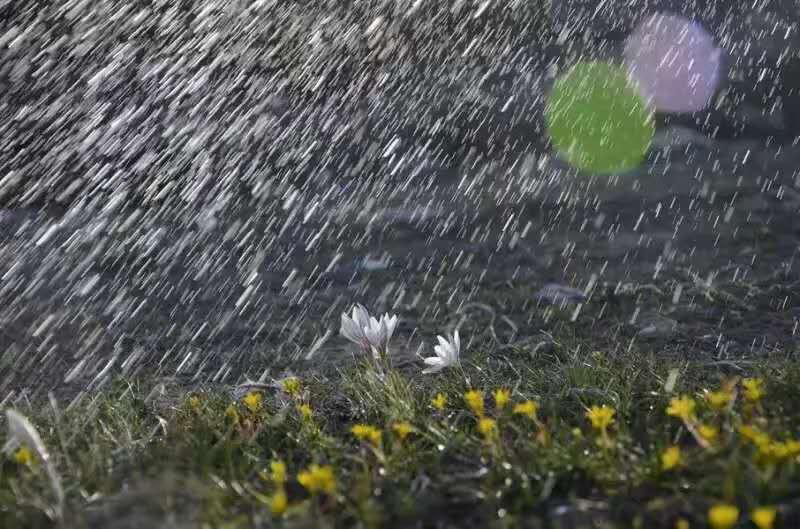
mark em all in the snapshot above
pixel 369 332
pixel 447 354
pixel 379 332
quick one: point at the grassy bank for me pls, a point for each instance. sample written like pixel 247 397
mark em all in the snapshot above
pixel 539 437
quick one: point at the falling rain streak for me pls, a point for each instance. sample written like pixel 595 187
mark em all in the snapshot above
pixel 198 193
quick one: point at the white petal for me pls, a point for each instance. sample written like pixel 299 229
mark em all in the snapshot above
pixel 391 325
pixel 361 315
pixel 373 335
pixel 435 364
pixel 350 330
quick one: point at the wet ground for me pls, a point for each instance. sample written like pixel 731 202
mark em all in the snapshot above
pixel 694 253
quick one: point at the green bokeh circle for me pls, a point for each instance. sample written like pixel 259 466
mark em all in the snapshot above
pixel 597 120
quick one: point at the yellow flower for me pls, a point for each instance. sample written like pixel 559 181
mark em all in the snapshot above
pixel 439 401
pixel 682 407
pixel 365 432
pixel 763 517
pixel 361 431
pixel 528 408
pixel 23 456
pixel 723 516
pixel 748 432
pixel 768 450
pixel 305 411
pixel 278 502
pixel 682 523
pixel 474 399
pixel 193 402
pixel 719 399
pixel 793 447
pixel 402 429
pixel 376 437
pixel 292 386
pixel 601 417
pixel 753 389
pixel 501 398
pixel 487 427
pixel 754 435
pixel 278 472
pixel 776 451
pixel 709 433
pixel 318 479
pixel 231 414
pixel 253 401
pixel 671 458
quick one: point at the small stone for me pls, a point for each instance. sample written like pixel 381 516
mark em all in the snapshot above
pixel 555 293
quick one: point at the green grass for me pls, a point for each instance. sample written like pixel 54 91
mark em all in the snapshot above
pixel 135 457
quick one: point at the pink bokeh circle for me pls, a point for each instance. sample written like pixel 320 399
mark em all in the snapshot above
pixel 674 62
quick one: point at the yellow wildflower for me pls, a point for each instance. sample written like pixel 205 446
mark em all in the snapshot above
pixel 768 450
pixel 793 447
pixel 439 402
pixel 402 429
pixel 376 437
pixel 361 431
pixel 709 433
pixel 291 386
pixel 762 440
pixel 681 523
pixel 487 427
pixel 754 435
pixel 474 399
pixel 253 401
pixel 719 400
pixel 501 398
pixel 775 451
pixel 671 458
pixel 23 456
pixel 753 389
pixel 528 408
pixel 305 411
pixel 723 516
pixel 278 502
pixel 231 414
pixel 601 417
pixel 193 402
pixel 748 432
pixel 318 479
pixel 682 407
pixel 365 432
pixel 764 517
pixel 278 472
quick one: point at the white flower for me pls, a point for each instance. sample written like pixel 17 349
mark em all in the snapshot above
pixel 447 354
pixel 367 331
pixel 353 327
